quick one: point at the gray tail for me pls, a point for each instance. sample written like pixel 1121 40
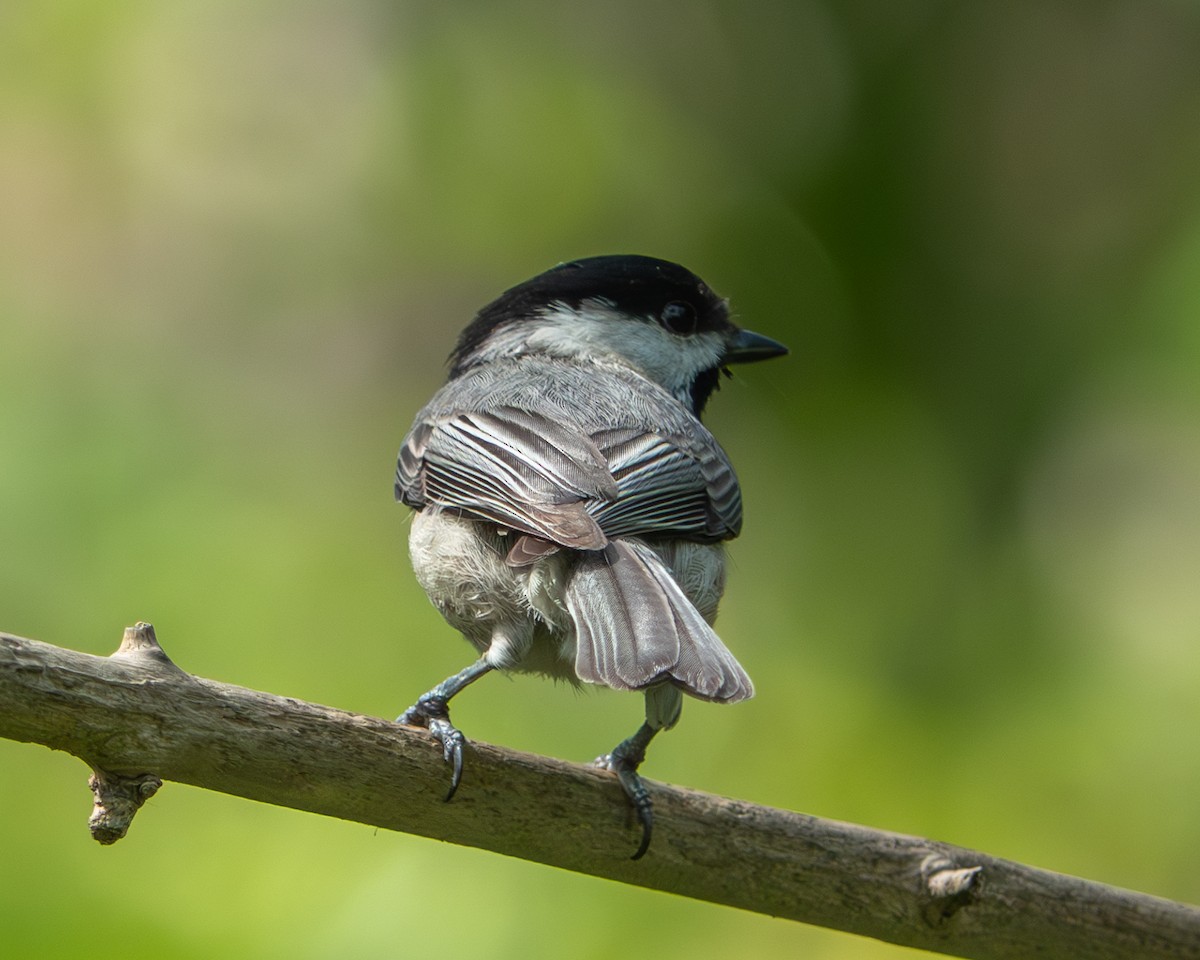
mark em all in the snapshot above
pixel 635 627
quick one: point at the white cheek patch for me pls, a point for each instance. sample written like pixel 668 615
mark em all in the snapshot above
pixel 597 330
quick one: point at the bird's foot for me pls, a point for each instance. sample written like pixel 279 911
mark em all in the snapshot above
pixel 624 761
pixel 433 713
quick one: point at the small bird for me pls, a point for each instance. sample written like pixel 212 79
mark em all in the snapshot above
pixel 571 508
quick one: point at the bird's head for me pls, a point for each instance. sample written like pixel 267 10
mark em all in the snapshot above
pixel 651 315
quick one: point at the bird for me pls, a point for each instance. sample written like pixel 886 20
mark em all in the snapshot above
pixel 570 508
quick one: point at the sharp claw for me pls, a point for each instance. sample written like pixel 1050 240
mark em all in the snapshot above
pixel 647 826
pixel 640 798
pixel 456 775
pixel 452 742
pixel 433 714
pixel 624 763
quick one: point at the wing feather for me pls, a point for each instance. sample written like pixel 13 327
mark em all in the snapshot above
pixel 509 466
pixel 676 484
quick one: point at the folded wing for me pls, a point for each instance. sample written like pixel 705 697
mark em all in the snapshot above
pixel 511 466
pixel 551 479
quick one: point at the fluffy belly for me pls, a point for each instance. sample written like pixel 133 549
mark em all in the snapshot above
pixel 517 616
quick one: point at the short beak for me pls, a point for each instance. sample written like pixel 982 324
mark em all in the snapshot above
pixel 749 347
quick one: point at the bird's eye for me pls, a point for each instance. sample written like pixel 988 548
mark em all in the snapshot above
pixel 679 316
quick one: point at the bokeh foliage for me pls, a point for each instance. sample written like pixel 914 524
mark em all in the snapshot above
pixel 237 240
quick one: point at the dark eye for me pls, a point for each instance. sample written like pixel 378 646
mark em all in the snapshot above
pixel 679 316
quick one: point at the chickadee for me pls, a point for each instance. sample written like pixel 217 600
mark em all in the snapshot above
pixel 570 507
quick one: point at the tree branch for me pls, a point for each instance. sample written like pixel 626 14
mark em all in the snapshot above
pixel 135 717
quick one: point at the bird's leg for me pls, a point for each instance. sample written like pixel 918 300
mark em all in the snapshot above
pixel 624 761
pixel 664 701
pixel 432 711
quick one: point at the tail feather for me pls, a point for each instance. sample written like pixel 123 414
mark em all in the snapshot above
pixel 635 627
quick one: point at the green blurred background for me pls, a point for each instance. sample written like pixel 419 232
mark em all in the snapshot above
pixel 238 239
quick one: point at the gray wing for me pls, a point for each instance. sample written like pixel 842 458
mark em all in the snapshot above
pixel 512 466
pixel 678 483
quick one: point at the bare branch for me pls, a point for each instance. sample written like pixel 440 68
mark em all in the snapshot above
pixel 135 717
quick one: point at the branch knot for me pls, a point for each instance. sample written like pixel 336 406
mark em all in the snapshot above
pixel 117 799
pixel 948 888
